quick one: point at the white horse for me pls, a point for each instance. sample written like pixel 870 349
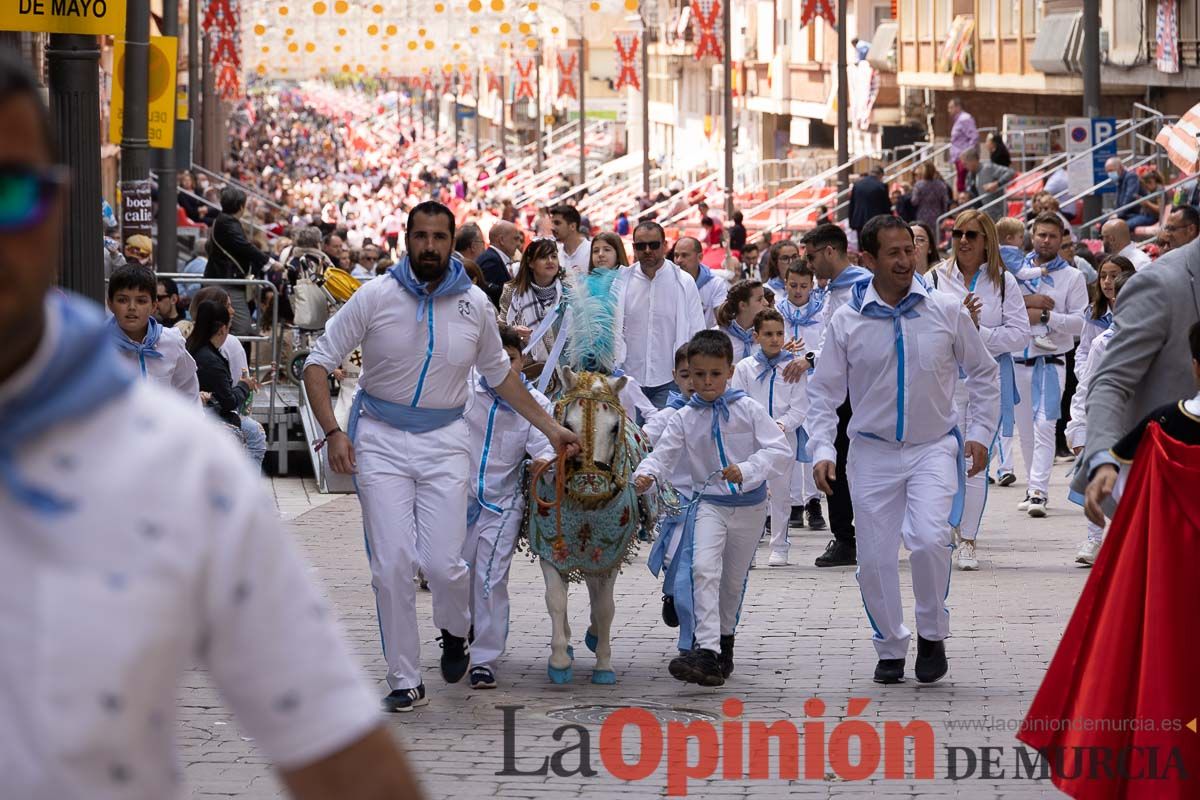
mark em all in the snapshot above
pixel 584 523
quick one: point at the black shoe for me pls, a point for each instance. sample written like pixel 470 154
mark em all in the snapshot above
pixel 482 678
pixel 838 554
pixel 816 521
pixel 697 666
pixel 1063 452
pixel 767 525
pixel 456 656
pixel 726 658
pixel 1007 479
pixel 403 700
pixel 931 664
pixel 991 481
pixel 889 670
pixel 796 520
pixel 668 614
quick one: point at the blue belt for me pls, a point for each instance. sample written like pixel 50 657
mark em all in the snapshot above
pixel 1046 391
pixel 1009 396
pixel 960 494
pixel 802 454
pixel 401 417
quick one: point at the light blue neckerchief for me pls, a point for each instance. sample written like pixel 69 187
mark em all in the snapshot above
pixel 1104 321
pixel 848 277
pixel 454 281
pixel 675 400
pixel 875 310
pixel 720 410
pixel 742 335
pixel 703 276
pixel 769 365
pixel 146 348
pixel 1054 266
pixel 798 317
pixel 777 285
pixel 84 373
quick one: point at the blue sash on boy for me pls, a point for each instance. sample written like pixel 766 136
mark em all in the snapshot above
pixel 797 317
pixel 82 374
pixel 146 348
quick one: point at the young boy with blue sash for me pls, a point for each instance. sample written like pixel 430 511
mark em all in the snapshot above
pixel 500 438
pixel 158 354
pixel 732 448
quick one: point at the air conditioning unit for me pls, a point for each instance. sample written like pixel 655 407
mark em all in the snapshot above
pixel 1058 48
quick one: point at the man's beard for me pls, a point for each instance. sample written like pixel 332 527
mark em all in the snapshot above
pixel 426 271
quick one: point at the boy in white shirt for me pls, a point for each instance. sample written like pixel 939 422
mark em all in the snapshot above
pixel 158 353
pixel 732 447
pixel 803 310
pixel 670 529
pixel 896 348
pixel 760 377
pixel 500 438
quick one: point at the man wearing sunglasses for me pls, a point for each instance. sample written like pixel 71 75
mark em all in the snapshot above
pixel 662 312
pixel 136 538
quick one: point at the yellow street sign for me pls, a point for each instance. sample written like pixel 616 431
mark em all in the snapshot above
pixel 64 16
pixel 160 94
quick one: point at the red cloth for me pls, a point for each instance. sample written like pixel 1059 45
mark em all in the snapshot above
pixel 1129 652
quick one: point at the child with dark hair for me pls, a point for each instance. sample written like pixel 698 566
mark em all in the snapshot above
pixel 732 448
pixel 158 352
pixel 735 317
pixel 499 440
pixel 761 377
pixel 209 332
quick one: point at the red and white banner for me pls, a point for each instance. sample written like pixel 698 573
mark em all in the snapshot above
pixel 818 8
pixel 523 82
pixel 629 59
pixel 709 30
pixel 1182 141
pixel 568 66
pixel 493 77
pixel 221 25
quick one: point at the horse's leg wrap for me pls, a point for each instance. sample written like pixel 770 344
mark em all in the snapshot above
pixel 556 604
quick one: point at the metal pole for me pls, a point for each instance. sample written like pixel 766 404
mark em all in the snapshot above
pixel 74 82
pixel 457 121
pixel 1091 83
pixel 843 100
pixel 478 106
pixel 210 154
pixel 538 109
pixel 168 181
pixel 135 139
pixel 582 104
pixel 195 82
pixel 645 109
pixel 503 123
pixel 727 87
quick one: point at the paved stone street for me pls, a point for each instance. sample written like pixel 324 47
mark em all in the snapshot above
pixel 802 635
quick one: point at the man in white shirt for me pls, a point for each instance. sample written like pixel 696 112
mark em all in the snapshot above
pixel 574 249
pixel 1115 234
pixel 109 558
pixel 712 286
pixel 422 327
pixel 662 312
pixel 1056 303
pixel 897 348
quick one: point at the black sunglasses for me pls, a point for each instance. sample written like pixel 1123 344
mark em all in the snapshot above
pixel 639 246
pixel 971 235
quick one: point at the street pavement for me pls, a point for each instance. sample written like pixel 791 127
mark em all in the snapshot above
pixel 802 635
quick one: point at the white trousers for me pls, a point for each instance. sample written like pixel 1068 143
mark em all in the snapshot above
pixel 977 488
pixel 488 551
pixel 903 492
pixel 1002 452
pixel 413 491
pixel 723 546
pixel 780 504
pixel 1035 431
pixel 804 487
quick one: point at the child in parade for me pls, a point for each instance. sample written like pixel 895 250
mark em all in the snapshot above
pixel 158 352
pixel 732 447
pixel 500 438
pixel 759 376
pixel 735 317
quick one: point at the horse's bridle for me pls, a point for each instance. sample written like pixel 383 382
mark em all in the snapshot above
pixel 590 390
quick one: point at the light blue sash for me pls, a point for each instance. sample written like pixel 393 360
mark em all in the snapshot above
pixel 401 417
pixel 1009 396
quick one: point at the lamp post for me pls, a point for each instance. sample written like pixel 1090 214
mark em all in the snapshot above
pixel 168 180
pixel 135 137
pixel 645 104
pixel 843 101
pixel 727 81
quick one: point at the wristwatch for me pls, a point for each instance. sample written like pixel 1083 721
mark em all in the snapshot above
pixel 1045 316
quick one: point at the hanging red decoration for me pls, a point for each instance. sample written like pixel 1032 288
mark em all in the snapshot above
pixel 566 74
pixel 524 66
pixel 707 14
pixel 823 9
pixel 221 25
pixel 628 45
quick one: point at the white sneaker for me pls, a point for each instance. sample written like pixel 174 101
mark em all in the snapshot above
pixel 777 559
pixel 1024 504
pixel 967 561
pixel 1037 505
pixel 1044 343
pixel 1088 552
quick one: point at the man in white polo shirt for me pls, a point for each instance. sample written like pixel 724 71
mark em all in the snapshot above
pixel 574 248
pixel 135 541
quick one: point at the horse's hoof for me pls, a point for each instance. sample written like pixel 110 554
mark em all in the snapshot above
pixel 560 676
pixel 591 641
pixel 604 677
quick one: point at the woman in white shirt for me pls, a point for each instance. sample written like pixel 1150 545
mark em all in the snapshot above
pixel 534 293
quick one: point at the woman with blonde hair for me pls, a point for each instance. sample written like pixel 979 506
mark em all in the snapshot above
pixel 975 272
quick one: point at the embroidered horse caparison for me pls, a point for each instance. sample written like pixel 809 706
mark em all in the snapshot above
pixel 582 522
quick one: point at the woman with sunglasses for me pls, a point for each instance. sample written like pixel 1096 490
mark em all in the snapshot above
pixel 976 273
pixel 533 294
